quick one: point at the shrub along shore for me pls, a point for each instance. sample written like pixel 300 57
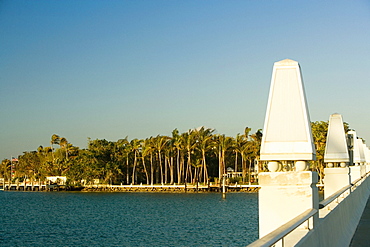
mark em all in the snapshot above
pixel 170 189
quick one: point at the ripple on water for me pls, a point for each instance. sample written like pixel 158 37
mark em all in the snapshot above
pixel 127 219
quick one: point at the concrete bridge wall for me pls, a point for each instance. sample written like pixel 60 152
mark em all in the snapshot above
pixel 337 227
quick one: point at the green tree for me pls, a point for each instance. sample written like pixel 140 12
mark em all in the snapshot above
pixel 135 145
pixel 188 142
pixel 176 142
pixel 159 144
pixel 5 169
pixel 203 140
pixel 55 139
pixel 222 144
pixel 319 133
pixel 146 150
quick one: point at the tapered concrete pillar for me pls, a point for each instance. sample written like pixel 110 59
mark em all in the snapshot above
pixel 287 145
pixel 357 170
pixel 367 158
pixel 361 151
pixel 361 146
pixel 366 154
pixel 357 159
pixel 336 157
pixel 336 150
pixel 287 138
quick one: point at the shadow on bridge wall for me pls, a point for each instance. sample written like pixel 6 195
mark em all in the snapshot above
pixel 337 226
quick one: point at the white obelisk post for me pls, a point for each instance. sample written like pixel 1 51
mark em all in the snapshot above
pixel 367 158
pixel 356 168
pixel 287 145
pixel 337 173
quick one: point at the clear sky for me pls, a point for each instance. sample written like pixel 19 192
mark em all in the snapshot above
pixel 111 69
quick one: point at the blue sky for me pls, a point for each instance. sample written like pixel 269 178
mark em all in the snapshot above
pixel 110 69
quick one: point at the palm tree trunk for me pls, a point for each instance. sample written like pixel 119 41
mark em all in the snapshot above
pixel 191 173
pixel 178 166
pixel 179 173
pixel 200 172
pixel 236 162
pixel 127 173
pixel 151 169
pixel 171 171
pixel 223 162
pixel 182 169
pixel 195 175
pixel 205 172
pixel 249 173
pixel 133 170
pixel 160 165
pixel 165 169
pixel 220 169
pixel 244 169
pixel 52 153
pixel 146 172
pixel 186 174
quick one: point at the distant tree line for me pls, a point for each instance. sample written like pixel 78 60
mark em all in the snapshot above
pixel 197 155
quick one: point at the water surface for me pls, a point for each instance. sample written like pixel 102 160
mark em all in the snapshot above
pixel 127 219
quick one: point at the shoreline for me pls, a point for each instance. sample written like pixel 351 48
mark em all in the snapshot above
pixel 170 189
pixel 135 188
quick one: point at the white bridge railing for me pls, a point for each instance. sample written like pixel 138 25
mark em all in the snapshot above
pixel 325 207
pixel 280 233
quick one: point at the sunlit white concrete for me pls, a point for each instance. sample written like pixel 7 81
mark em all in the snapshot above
pixel 337 174
pixel 361 150
pixel 336 151
pixel 335 179
pixel 356 149
pixel 338 226
pixel 287 132
pixel 283 196
pixel 287 144
pixel 367 154
pixel 356 172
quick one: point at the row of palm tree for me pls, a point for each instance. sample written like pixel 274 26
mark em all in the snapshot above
pixel 189 157
pixel 197 155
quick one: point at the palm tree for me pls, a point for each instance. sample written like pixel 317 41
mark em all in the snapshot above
pixel 188 142
pixel 46 161
pixel 135 146
pixel 244 151
pixel 151 144
pixel 245 148
pixel 55 139
pixel 237 145
pixel 160 143
pixel 168 160
pixel 63 143
pixel 176 142
pixel 241 146
pixel 255 146
pixel 146 149
pixel 319 132
pixel 204 137
pixel 121 154
pixel 223 143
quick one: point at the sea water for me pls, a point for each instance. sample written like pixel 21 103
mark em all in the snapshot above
pixel 127 219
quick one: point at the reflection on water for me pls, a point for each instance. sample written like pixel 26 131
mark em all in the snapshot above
pixel 127 219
